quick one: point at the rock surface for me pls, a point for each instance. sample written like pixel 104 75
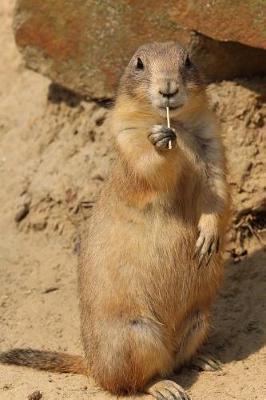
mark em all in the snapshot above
pixel 237 21
pixel 84 45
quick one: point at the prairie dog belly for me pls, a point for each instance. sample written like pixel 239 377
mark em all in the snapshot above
pixel 147 261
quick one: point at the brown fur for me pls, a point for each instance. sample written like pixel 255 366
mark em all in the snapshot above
pixel 144 301
pixel 45 360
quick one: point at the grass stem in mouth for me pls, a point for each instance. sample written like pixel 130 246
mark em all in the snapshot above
pixel 168 126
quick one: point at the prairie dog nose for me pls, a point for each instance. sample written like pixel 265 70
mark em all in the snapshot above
pixel 168 88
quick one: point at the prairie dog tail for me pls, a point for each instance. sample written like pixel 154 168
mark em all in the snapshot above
pixel 45 360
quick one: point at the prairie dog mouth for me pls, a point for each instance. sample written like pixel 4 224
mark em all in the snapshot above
pixel 173 108
pixel 173 104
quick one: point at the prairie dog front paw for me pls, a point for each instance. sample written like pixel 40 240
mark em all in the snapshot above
pixel 162 137
pixel 208 241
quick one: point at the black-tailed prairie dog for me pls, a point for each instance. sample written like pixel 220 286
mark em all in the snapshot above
pixel 150 264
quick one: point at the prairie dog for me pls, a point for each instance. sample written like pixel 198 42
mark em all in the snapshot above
pixel 150 264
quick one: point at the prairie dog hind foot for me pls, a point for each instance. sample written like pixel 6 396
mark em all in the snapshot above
pixel 205 362
pixel 167 390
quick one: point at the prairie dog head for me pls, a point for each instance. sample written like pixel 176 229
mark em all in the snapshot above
pixel 162 75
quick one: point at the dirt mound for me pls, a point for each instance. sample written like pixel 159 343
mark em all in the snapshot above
pixel 67 152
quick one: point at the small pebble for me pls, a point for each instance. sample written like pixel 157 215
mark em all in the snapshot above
pixel 22 213
pixel 7 386
pixel 35 395
pixel 51 289
pixel 39 225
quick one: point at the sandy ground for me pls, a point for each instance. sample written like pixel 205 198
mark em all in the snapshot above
pixel 54 156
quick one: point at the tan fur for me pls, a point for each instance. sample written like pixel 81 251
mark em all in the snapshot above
pixel 45 360
pixel 144 301
pixel 137 262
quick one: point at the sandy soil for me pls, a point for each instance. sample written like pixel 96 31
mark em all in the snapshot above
pixel 54 156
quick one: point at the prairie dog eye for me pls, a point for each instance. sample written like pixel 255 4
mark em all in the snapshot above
pixel 139 64
pixel 188 62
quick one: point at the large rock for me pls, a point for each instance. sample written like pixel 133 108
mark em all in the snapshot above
pixel 241 21
pixel 85 44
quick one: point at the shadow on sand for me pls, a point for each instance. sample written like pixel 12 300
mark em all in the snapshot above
pixel 239 315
